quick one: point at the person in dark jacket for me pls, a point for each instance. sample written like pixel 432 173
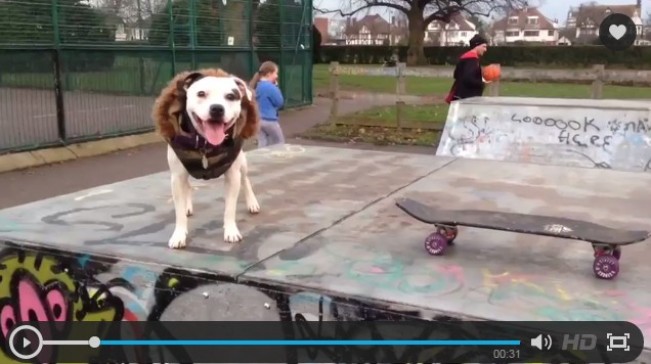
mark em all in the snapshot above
pixel 468 80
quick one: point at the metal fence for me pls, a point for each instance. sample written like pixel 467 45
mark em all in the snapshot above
pixel 74 70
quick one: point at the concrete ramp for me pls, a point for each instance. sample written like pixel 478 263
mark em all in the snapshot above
pixel 330 244
pixel 610 134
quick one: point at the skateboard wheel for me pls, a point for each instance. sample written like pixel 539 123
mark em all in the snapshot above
pixel 436 243
pixel 606 267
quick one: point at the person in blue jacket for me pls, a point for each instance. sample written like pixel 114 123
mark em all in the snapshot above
pixel 270 100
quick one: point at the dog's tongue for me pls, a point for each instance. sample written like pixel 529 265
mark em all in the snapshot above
pixel 215 134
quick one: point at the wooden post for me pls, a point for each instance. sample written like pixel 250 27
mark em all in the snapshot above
pixel 401 84
pixel 334 90
pixel 597 90
pixel 494 88
pixel 401 89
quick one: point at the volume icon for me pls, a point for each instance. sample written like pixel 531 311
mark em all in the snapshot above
pixel 541 342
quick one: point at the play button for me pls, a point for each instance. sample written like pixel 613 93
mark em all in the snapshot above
pixel 25 342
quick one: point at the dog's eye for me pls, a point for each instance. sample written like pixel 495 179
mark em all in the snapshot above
pixel 201 94
pixel 230 97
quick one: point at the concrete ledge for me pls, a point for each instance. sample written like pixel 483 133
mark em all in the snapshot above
pixel 605 134
pixel 23 160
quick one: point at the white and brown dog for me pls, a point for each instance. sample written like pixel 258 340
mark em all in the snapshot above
pixel 205 116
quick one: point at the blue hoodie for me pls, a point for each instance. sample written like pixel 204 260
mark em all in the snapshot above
pixel 269 99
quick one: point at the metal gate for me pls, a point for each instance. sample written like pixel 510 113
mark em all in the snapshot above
pixel 75 70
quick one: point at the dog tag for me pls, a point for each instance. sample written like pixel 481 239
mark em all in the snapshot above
pixel 204 162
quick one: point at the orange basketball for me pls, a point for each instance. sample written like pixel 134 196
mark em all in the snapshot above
pixel 492 72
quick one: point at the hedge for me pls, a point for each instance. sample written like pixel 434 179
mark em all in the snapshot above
pixel 548 56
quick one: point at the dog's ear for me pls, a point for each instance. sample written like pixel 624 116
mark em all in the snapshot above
pixel 169 105
pixel 183 84
pixel 244 88
pixel 250 114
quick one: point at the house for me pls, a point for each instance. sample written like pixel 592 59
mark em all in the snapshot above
pixel 369 30
pixel 322 25
pixel 584 21
pixel 126 30
pixel 457 32
pixel 527 25
pixel 565 37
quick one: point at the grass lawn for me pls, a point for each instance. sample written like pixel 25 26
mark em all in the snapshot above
pixel 440 86
pixel 378 126
pixel 128 77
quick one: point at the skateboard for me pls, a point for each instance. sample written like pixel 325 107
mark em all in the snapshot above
pixel 606 242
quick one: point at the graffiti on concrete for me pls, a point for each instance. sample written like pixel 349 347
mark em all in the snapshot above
pixel 471 131
pixel 598 138
pixel 60 288
pixel 57 289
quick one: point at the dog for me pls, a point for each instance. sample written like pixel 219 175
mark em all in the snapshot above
pixel 205 116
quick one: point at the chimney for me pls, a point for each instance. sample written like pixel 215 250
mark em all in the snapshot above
pixel 639 4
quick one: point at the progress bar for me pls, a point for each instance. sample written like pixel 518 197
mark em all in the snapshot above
pixel 309 342
pixel 26 342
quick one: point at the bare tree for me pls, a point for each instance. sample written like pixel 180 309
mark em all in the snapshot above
pixel 422 12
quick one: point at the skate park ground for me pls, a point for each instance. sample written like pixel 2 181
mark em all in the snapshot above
pixel 339 235
pixel 329 231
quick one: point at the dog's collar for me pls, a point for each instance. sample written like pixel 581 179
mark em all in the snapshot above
pixel 189 138
pixel 200 158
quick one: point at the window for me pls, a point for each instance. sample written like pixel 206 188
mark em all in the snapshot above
pixel 532 20
pixel 463 34
pixel 550 33
pixel 513 20
pixel 531 33
pixel 512 34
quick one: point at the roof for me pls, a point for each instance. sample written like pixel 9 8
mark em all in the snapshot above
pixel 321 25
pixel 593 14
pixel 569 33
pixel 458 19
pixel 544 23
pixel 374 23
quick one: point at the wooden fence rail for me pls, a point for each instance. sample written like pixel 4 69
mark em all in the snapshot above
pixel 597 77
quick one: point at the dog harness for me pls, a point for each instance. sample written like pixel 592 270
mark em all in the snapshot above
pixel 201 159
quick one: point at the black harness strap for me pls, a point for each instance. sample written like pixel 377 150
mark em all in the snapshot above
pixel 201 159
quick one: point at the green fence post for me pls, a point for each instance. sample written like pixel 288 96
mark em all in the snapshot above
pixel 281 64
pixel 56 35
pixel 55 23
pixel 56 59
pixel 251 30
pixel 310 57
pixel 193 33
pixel 172 43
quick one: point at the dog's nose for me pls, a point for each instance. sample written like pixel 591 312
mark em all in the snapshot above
pixel 216 111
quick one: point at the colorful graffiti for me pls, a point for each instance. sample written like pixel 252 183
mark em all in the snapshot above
pixel 39 287
pixel 59 288
pixel 56 289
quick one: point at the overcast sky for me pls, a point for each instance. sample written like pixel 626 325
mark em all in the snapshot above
pixel 553 9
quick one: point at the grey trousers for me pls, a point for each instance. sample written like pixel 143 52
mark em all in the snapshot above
pixel 270 133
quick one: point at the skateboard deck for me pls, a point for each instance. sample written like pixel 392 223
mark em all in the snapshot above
pixel 523 223
pixel 605 241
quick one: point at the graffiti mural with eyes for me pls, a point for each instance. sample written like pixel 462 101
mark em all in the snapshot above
pixel 38 287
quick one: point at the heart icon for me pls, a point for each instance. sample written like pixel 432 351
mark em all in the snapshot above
pixel 617 31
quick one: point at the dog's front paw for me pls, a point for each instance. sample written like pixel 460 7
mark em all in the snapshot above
pixel 232 233
pixel 178 239
pixel 253 206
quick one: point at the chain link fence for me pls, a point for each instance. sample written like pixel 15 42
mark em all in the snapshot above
pixel 75 70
